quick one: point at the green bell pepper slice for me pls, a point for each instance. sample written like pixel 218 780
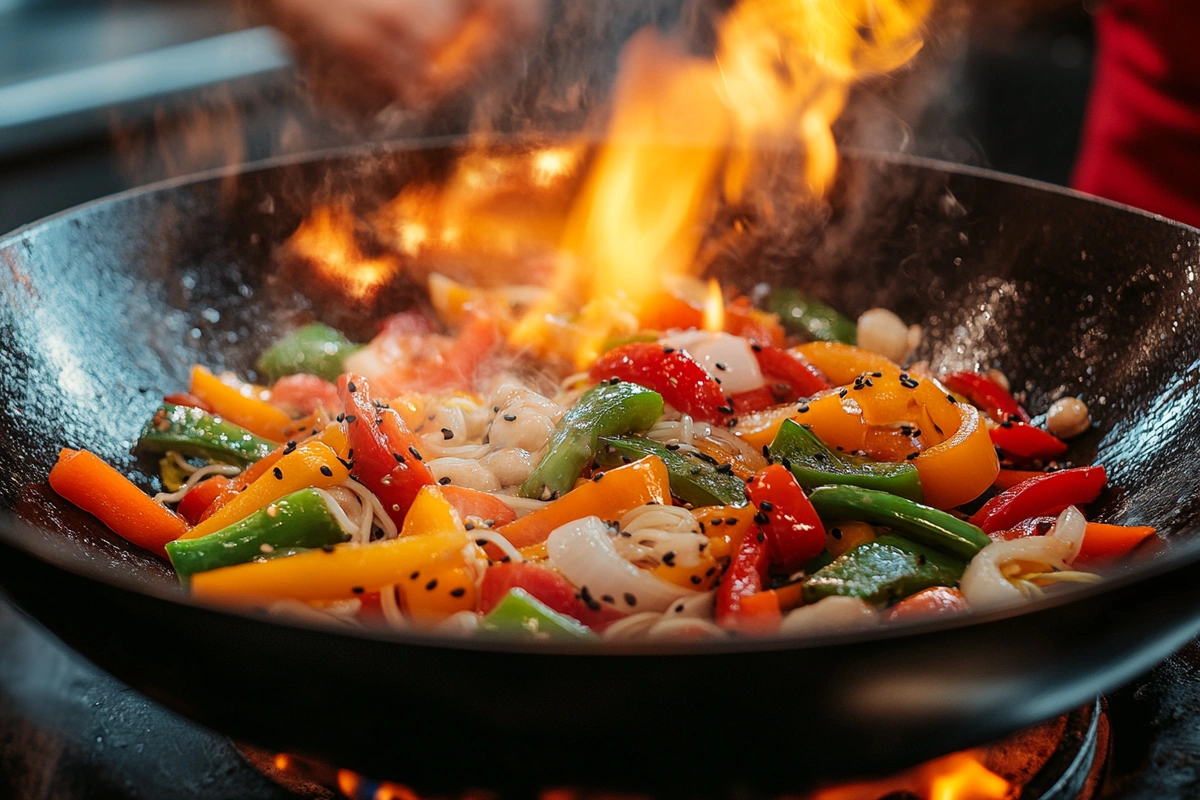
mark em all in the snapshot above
pixel 192 432
pixel 815 464
pixel 299 520
pixel 520 614
pixel 924 525
pixel 802 314
pixel 609 409
pixel 314 349
pixel 883 571
pixel 693 480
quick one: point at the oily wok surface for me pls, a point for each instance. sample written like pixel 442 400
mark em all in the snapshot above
pixel 103 309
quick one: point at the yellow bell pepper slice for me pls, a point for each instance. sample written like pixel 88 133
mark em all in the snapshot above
pixel 957 462
pixel 431 512
pixel 842 363
pixel 337 573
pixel 724 526
pixel 622 490
pixel 313 463
pixel 436 594
pixel 258 417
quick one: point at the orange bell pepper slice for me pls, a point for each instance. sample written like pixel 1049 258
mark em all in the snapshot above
pixel 337 573
pixel 313 463
pixel 86 481
pixel 257 416
pixel 1102 541
pixel 724 526
pixel 842 363
pixel 622 490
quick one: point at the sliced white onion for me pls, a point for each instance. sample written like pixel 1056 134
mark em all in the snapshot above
pixel 830 615
pixel 583 552
pixel 685 628
pixel 740 371
pixel 984 584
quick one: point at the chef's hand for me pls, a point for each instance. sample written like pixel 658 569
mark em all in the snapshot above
pixel 369 53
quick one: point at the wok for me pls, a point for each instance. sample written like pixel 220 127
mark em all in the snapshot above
pixel 103 308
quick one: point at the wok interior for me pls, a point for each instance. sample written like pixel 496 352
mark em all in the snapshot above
pixel 105 308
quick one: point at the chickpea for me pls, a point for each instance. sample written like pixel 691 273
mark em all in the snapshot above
pixel 1000 379
pixel 1068 417
pixel 882 332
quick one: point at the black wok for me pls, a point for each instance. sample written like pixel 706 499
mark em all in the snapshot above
pixel 103 308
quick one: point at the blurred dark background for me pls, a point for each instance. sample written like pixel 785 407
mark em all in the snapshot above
pixel 100 95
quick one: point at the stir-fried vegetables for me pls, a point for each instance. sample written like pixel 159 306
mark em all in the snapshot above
pixel 689 483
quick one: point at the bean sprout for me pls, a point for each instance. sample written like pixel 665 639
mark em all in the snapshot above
pixel 198 474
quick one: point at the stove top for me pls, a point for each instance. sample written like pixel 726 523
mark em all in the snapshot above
pixel 68 730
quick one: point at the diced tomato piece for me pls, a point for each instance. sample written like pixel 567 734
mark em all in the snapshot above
pixel 303 394
pixel 935 601
pixel 674 374
pixel 200 497
pixel 478 505
pixel 552 589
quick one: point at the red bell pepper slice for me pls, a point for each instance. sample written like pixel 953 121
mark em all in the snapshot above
pixel 1045 495
pixel 931 602
pixel 1026 441
pixel 674 374
pixel 546 585
pixel 743 580
pixel 788 379
pixel 987 394
pixel 795 534
pixel 200 497
pixel 385 455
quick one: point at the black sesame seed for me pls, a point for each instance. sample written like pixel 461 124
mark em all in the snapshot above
pixel 803 409
pixel 731 521
pixel 447 433
pixel 912 455
pixel 399 458
pixel 630 599
pixel 725 409
pixel 415 575
pixel 328 548
pixel 351 418
pixel 842 393
pixel 672 447
pixel 668 350
pixel 950 397
pixel 717 522
pixel 325 470
pixel 756 347
pixel 459 592
pixel 608 598
pixel 720 366
pixel 761 518
pixel 836 533
pixel 766 451
pixel 357 589
pixel 444 480
pixel 350 385
pixel 761 537
pixel 679 608
pixel 431 585
pixel 726 469
pixel 695 579
pixel 278 473
pixel 767 505
pixel 669 558
pixel 341 417
pixel 415 453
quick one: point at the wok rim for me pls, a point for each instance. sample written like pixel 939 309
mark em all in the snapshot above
pixel 1181 557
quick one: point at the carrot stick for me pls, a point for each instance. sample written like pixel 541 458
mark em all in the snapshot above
pixel 258 417
pixel 86 481
pixel 1102 541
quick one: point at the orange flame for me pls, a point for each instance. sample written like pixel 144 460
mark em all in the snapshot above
pixel 714 307
pixel 783 71
pixel 958 776
pixel 326 239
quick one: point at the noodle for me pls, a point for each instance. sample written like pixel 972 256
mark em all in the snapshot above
pixel 198 474
pixel 378 515
pixel 498 540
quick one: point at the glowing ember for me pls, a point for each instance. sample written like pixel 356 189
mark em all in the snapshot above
pixel 714 307
pixel 958 776
pixel 326 239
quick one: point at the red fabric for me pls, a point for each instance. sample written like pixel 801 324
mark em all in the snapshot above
pixel 1141 137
